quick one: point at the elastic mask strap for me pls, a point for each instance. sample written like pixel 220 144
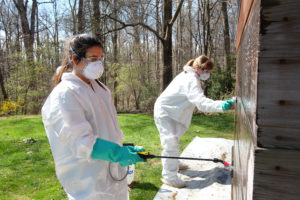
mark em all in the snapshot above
pixel 79 70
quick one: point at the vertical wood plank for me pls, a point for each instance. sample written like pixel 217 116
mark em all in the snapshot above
pixel 246 91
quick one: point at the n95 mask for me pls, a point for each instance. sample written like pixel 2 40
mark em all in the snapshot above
pixel 92 70
pixel 204 76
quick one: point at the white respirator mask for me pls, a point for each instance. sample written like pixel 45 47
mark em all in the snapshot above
pixel 92 70
pixel 204 76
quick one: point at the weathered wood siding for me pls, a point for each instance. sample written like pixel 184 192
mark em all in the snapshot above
pixel 246 92
pixel 267 137
pixel 278 110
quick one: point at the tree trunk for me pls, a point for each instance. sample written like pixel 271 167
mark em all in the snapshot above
pixel 56 47
pixel 209 38
pixel 80 17
pixel 18 35
pixel 226 28
pixel 97 31
pixel 37 29
pixel 167 73
pixel 73 11
pixel 115 55
pixel 157 56
pixel 28 37
pixel 199 28
pixel 206 37
pixel 176 50
pixel 4 93
pixel 96 19
pixel 181 58
pixel 191 29
pixel 228 81
pixel 28 31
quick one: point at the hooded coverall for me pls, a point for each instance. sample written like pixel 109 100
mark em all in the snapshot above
pixel 74 115
pixel 173 112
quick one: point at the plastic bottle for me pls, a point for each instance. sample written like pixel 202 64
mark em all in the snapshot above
pixel 130 174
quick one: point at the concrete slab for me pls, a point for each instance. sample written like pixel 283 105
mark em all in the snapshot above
pixel 205 180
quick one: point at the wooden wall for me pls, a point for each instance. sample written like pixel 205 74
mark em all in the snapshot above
pixel 267 137
pixel 246 92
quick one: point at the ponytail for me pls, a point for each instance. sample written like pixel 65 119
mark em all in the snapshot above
pixel 76 45
pixel 190 62
pixel 66 64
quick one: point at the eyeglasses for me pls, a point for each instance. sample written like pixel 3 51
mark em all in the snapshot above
pixel 94 58
pixel 204 70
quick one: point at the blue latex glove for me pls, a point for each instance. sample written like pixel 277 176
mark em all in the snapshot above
pixel 227 104
pixel 109 151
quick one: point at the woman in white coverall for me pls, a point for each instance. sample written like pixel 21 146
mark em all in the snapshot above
pixel 82 126
pixel 173 112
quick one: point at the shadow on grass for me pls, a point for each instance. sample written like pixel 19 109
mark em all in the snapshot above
pixel 143 186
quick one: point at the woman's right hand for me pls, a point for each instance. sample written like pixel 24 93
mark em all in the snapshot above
pixel 130 155
pixel 110 151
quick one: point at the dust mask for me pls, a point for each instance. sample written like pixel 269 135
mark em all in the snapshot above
pixel 204 76
pixel 92 70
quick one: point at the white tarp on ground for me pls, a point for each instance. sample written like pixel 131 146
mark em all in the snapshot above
pixel 205 180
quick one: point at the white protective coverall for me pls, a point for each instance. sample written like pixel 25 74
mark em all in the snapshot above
pixel 74 115
pixel 173 112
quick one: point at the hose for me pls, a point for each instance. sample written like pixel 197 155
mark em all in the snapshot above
pixel 146 155
pixel 116 179
pixel 109 166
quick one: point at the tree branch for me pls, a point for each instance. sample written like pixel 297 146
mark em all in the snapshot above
pixel 124 25
pixel 170 24
pixel 176 13
pixel 40 3
pixel 32 19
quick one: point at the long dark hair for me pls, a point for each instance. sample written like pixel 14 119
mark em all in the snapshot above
pixel 77 45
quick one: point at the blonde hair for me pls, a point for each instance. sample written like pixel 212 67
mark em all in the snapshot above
pixel 202 61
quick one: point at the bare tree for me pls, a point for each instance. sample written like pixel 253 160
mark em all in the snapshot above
pixel 27 30
pixel 3 90
pixel 191 31
pixel 28 37
pixel 115 53
pixel 226 29
pixel 165 37
pixel 228 82
pixel 56 33
pixel 96 19
pixel 73 12
pixel 80 18
pixel 154 47
pixel 157 39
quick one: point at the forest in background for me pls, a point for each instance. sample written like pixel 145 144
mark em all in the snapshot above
pixel 147 42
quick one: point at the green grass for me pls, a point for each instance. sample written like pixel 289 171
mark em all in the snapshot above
pixel 27 169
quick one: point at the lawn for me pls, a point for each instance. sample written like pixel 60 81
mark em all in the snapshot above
pixel 27 169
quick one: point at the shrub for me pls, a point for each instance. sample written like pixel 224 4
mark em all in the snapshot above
pixel 9 107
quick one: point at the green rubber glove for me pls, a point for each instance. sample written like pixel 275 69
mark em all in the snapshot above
pixel 227 104
pixel 109 151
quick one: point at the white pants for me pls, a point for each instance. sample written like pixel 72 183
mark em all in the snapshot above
pixel 170 132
